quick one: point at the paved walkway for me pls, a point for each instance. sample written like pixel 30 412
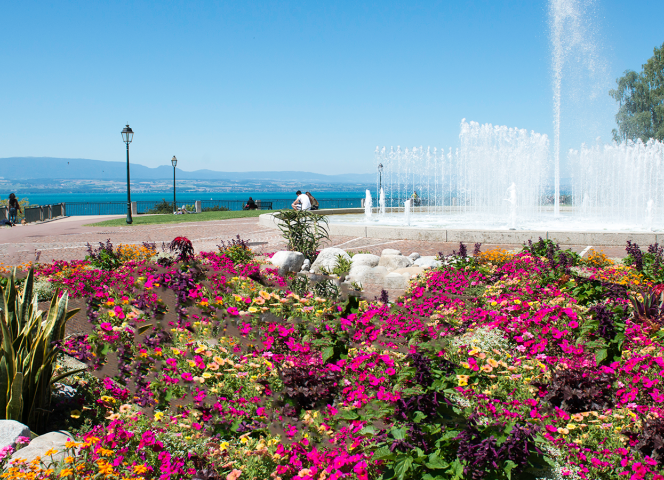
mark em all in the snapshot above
pixel 66 239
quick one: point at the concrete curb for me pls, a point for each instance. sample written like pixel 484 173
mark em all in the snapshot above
pixel 476 236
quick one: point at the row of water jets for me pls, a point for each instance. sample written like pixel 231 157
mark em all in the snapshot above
pixel 501 175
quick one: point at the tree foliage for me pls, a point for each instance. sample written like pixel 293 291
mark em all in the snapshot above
pixel 641 99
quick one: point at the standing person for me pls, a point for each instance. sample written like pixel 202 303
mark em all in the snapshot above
pixel 13 206
pixel 302 202
pixel 312 200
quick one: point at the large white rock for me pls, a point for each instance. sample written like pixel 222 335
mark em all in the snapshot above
pixel 365 259
pixel 288 261
pixel 414 256
pixel 392 262
pixel 390 251
pixel 10 430
pixel 357 273
pixel 375 275
pixel 328 258
pixel 43 443
pixel 428 262
pixel 396 280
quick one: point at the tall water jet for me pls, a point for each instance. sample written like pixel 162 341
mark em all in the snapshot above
pixel 406 211
pixel 381 202
pixel 367 205
pixel 511 199
pixel 473 179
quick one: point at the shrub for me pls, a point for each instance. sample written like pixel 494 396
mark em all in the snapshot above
pixel 310 385
pixel 183 248
pixel 303 231
pixel 237 250
pixel 30 344
pixel 104 257
pixel 597 259
pixel 580 390
pixel 216 208
pixel 162 207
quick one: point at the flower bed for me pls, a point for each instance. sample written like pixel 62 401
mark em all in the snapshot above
pixel 504 365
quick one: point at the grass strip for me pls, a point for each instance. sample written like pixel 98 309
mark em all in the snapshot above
pixel 170 218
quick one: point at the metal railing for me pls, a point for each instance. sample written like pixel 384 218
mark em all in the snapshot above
pixel 147 206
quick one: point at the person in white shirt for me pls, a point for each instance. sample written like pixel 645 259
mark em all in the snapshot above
pixel 302 202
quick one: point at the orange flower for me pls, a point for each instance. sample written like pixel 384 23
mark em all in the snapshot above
pixel 140 469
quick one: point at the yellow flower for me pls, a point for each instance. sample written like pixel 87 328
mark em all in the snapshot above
pixel 224 446
pixel 108 399
pixel 65 472
pixel 252 309
pixel 75 414
pixel 244 440
pixel 571 426
pixel 492 362
pixel 207 375
pixel 140 469
pixel 463 380
pixel 158 416
pixel 50 451
pixel 517 301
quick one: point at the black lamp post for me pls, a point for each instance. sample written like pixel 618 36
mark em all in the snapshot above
pixel 174 162
pixel 127 137
pixel 380 176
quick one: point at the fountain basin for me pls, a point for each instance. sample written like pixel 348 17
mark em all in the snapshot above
pixel 559 230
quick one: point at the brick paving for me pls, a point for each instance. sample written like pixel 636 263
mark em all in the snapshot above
pixel 66 239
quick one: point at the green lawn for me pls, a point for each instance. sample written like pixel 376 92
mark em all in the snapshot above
pixel 198 217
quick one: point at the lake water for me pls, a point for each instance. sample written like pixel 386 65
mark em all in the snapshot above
pixel 185 197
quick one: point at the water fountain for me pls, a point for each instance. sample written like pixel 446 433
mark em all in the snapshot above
pixel 367 206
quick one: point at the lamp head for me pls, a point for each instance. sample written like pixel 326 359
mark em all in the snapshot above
pixel 127 135
pixel 174 161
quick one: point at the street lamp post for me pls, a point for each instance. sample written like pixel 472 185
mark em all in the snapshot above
pixel 174 162
pixel 380 177
pixel 127 137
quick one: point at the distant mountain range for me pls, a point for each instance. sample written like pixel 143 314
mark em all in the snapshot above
pixel 42 168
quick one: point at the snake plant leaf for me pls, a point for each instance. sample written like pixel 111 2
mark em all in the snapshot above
pixel 15 404
pixel 67 374
pixel 4 385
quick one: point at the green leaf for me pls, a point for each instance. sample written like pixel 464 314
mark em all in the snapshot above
pixel 236 424
pixel 381 453
pixel 143 329
pixel 349 415
pixel 435 462
pixel 600 355
pixel 327 353
pixel 402 466
pixel 509 465
pixel 419 416
pixel 399 433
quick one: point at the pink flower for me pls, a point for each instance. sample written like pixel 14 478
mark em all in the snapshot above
pixel 234 475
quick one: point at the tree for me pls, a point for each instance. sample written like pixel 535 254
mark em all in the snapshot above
pixel 641 99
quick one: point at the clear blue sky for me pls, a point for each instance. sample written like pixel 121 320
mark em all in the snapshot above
pixel 267 85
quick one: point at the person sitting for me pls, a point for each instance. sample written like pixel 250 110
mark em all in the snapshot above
pixel 314 202
pixel 302 202
pixel 416 199
pixel 251 205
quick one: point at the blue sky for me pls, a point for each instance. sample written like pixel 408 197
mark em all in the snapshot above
pixel 313 86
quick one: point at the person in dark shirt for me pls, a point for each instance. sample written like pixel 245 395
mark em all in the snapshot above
pixel 251 205
pixel 13 207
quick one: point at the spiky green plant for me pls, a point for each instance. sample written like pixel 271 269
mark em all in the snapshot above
pixel 28 351
pixel 303 231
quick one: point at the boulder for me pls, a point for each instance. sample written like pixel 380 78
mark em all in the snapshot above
pixel 396 280
pixel 288 261
pixel 414 256
pixel 409 272
pixel 390 251
pixel 428 262
pixel 306 265
pixel 392 262
pixel 10 430
pixel 327 258
pixel 375 275
pixel 357 274
pixel 42 444
pixel 365 259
